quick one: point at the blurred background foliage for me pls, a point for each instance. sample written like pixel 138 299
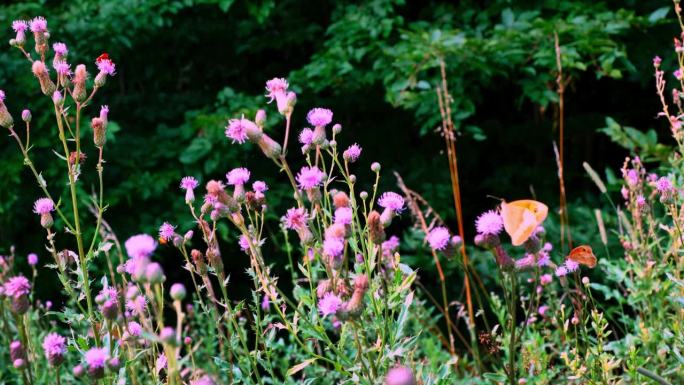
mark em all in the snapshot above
pixel 186 67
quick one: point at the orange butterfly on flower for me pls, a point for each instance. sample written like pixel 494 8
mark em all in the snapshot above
pixel 583 255
pixel 521 218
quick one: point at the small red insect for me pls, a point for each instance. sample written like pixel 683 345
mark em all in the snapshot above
pixel 104 56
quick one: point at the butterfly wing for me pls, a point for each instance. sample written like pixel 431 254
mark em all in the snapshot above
pixel 521 218
pixel 583 255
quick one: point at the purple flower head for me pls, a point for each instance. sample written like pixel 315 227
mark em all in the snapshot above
pixel 561 271
pixel 390 246
pixel 167 231
pixel 134 329
pixel 544 259
pixel 237 129
pixel 392 201
pixel 238 176
pixel 54 346
pixel 329 304
pixel 640 201
pixel 2 96
pixel 137 305
pixel 344 215
pixel 489 223
pixel 571 265
pixel 542 310
pixel 310 177
pixel 60 49
pixel 38 24
pixel 140 246
pixel 546 279
pixel 319 117
pixel 17 287
pixel 265 303
pixel 664 185
pixel 96 358
pixel 306 137
pixel 106 66
pixel 296 218
pixel 19 25
pixel 400 375
pixel 32 259
pixel 656 61
pixel 352 153
pixel 43 206
pixel 275 87
pixel 63 68
pixel 438 238
pixel 333 247
pixel 104 112
pixel 188 183
pixel 259 186
pixel 243 241
pixel 632 177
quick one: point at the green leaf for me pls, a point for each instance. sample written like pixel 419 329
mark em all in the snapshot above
pixel 658 14
pixel 199 147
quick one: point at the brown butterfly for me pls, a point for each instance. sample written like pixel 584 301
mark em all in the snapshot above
pixel 104 56
pixel 521 218
pixel 583 255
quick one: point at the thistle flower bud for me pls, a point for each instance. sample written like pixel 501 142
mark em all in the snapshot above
pixel 99 131
pixel 198 259
pixel 110 309
pixel 40 33
pixel 269 147
pixel 363 195
pixel 337 128
pixel 400 375
pixel 214 258
pixel 41 72
pixel 319 136
pixel 178 292
pixel 79 80
pixel 260 118
pixel 19 364
pixel 291 101
pixel 17 351
pixel 375 228
pixel 375 167
pixel 26 116
pixel 20 27
pixel 76 158
pixel 114 364
pixel 5 117
pixel 57 97
pixel 78 371
pixel 168 336
pixel 154 273
pixel 340 199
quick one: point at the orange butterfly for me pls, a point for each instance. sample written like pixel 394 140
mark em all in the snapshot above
pixel 521 218
pixel 583 255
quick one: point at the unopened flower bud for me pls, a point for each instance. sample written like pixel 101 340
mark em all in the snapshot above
pixel 269 147
pixel 352 178
pixel 340 199
pixel 363 195
pixel 114 364
pixel 375 167
pixel 178 291
pixel 78 371
pixel 375 227
pixel 110 309
pixel 46 220
pixel 99 132
pixel 79 80
pixel 57 97
pixel 41 72
pixel 337 128
pixel 5 117
pixel 260 118
pixel 585 281
pixel 19 363
pixel 333 143
pixel 154 273
pixel 26 116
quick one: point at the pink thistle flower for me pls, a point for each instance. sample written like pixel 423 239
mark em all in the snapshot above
pixel 54 346
pixel 306 137
pixel 310 177
pixel 542 310
pixel 344 215
pixel 329 304
pixel 664 185
pixel 104 112
pixel 265 303
pixel 38 24
pixel 60 49
pixel 561 271
pixel 640 201
pixel 296 218
pixel 2 96
pixel 38 68
pixel 140 246
pixel 352 153
pixel 189 183
pixel 161 363
pixel 137 305
pixel 544 259
pixel 525 262
pixel 134 329
pixel 546 279
pixel 167 231
pixel 32 259
pixel 19 25
pixel 319 117
pixel 438 238
pixel 43 206
pixel 489 223
pixel 259 186
pixel 390 246
pixel 571 266
pixel 656 61
pixel 243 241
pixel 96 358
pixel 392 201
pixel 238 176
pixel 17 287
pixel 277 89
pixel 237 129
pixel 632 177
pixel 106 66
pixel 63 68
pixel 333 247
